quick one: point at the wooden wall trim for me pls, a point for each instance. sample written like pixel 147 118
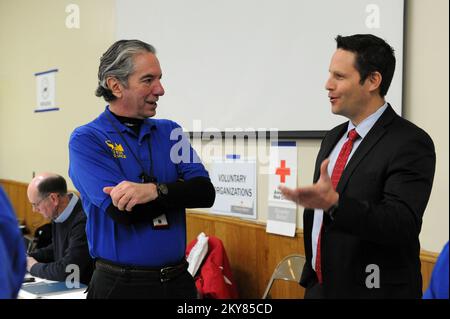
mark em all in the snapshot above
pixel 234 221
pixel 17 194
pixel 11 182
pixel 227 228
pixel 253 253
pixel 428 256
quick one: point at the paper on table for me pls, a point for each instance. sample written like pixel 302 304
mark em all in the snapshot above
pixel 45 288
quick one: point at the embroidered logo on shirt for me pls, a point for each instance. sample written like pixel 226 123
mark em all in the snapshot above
pixel 116 149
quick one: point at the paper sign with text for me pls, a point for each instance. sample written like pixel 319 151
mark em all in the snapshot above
pixel 235 182
pixel 282 214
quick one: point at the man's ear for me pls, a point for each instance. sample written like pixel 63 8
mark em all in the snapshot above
pixel 54 197
pixel 374 81
pixel 115 86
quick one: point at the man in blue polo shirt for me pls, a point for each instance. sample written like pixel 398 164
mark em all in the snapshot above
pixel 438 288
pixel 12 251
pixel 136 178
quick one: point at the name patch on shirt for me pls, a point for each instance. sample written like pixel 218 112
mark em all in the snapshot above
pixel 116 149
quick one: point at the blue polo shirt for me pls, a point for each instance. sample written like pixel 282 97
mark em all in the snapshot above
pixel 100 157
pixel 12 251
pixel 438 288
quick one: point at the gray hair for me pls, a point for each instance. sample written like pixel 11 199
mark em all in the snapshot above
pixel 52 184
pixel 117 62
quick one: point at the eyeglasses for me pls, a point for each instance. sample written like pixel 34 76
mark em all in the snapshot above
pixel 35 205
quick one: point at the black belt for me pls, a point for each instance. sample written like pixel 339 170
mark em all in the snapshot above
pixel 163 274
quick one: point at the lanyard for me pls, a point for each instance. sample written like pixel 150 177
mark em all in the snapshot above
pixel 145 178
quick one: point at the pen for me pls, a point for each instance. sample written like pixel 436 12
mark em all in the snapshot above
pixel 29 279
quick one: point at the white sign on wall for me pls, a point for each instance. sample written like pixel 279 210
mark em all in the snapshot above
pixel 235 182
pixel 46 91
pixel 282 214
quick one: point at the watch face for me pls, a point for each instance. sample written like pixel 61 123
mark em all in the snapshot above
pixel 163 189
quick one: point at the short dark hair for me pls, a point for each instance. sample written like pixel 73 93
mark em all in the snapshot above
pixel 372 54
pixel 117 62
pixel 52 184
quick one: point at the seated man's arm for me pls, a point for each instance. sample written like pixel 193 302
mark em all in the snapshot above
pixel 76 256
pixel 43 255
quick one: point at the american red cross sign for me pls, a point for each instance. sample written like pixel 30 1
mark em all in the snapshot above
pixel 283 171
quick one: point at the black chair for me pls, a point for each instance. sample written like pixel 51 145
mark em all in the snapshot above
pixel 42 236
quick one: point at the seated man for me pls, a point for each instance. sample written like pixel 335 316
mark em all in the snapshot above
pixel 48 196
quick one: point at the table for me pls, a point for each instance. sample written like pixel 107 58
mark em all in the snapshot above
pixel 75 293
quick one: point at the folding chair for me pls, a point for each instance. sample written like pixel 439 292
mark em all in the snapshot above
pixel 289 268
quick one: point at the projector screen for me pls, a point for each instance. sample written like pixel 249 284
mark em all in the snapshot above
pixel 242 65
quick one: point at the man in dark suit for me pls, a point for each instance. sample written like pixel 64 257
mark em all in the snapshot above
pixel 372 181
pixel 67 257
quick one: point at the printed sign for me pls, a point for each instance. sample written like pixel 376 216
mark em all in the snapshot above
pixel 46 91
pixel 235 182
pixel 282 214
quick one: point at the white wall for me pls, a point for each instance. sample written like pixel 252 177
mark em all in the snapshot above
pixel 426 103
pixel 34 38
pixel 259 57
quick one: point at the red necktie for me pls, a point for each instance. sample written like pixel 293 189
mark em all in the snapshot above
pixel 335 177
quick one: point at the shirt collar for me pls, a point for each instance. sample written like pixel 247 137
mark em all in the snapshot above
pixel 364 127
pixel 113 124
pixel 68 210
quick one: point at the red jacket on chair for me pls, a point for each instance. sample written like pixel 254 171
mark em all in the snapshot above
pixel 214 279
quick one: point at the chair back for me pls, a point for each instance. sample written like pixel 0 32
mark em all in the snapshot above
pixel 289 268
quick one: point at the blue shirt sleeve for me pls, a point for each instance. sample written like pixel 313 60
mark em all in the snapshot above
pixel 12 251
pixel 91 168
pixel 438 288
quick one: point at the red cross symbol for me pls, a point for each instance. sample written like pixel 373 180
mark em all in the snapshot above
pixel 283 171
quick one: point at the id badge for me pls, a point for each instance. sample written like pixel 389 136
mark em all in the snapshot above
pixel 160 222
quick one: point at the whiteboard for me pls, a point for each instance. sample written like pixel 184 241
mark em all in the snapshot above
pixel 255 64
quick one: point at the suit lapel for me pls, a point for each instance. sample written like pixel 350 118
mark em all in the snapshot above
pixel 328 144
pixel 374 135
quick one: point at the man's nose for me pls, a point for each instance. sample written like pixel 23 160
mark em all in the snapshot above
pixel 329 85
pixel 158 89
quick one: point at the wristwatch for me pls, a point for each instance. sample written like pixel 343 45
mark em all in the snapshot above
pixel 162 191
pixel 332 210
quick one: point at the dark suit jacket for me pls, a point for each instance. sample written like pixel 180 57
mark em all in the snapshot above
pixel 69 247
pixel 383 193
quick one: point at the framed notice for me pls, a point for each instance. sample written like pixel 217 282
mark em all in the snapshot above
pixel 235 182
pixel 46 91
